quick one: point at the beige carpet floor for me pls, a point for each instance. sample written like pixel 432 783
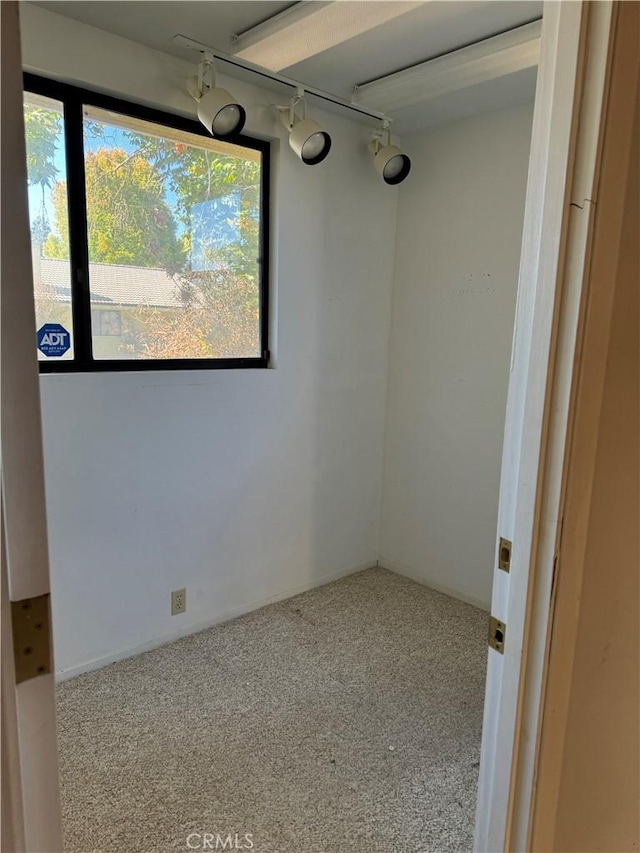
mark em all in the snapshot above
pixel 344 719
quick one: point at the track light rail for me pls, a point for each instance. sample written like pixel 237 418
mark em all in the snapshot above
pixel 191 44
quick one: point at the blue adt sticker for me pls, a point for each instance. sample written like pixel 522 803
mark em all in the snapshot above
pixel 53 339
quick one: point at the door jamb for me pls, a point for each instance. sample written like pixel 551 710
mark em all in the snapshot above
pixel 577 42
pixel 606 214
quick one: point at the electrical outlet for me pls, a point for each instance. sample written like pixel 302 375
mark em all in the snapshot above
pixel 178 601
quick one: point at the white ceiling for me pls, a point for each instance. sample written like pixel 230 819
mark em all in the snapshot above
pixel 428 31
pixel 424 33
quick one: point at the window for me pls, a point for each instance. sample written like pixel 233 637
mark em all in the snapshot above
pixel 149 238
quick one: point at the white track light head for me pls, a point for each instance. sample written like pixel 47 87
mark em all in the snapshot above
pixel 306 137
pixel 309 141
pixel 218 111
pixel 391 163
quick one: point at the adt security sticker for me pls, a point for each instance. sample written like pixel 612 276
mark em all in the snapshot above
pixel 53 339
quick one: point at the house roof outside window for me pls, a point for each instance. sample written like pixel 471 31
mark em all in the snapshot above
pixel 111 284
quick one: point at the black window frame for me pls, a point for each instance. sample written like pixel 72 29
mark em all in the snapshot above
pixel 73 98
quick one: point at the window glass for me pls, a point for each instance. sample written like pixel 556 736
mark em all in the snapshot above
pixel 46 172
pixel 173 223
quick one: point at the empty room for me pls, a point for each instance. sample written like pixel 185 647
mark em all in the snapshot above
pixel 275 251
pixel 275 283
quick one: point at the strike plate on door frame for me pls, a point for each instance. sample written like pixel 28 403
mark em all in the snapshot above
pixel 497 634
pixel 504 555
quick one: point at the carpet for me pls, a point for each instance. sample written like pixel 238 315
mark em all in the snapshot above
pixel 347 718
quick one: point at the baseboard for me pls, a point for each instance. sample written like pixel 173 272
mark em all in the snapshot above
pixel 218 619
pixel 414 575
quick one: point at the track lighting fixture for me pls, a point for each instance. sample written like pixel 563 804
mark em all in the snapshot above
pixel 218 111
pixel 223 116
pixel 393 165
pixel 306 138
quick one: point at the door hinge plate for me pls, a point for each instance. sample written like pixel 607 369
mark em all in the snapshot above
pixel 31 637
pixel 504 555
pixel 497 634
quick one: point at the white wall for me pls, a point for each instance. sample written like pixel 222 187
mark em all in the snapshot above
pixel 240 485
pixel 245 486
pixel 457 254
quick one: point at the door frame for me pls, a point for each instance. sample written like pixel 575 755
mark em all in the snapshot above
pixel 601 283
pixel 30 787
pixel 569 121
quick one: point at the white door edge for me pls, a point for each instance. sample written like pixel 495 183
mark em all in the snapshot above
pixel 30 787
pixel 576 40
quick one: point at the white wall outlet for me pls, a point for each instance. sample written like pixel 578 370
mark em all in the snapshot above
pixel 178 601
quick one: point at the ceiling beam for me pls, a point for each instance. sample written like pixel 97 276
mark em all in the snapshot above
pixel 498 56
pixel 312 27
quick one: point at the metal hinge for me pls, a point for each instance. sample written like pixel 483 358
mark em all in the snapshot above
pixel 497 634
pixel 504 555
pixel 31 637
